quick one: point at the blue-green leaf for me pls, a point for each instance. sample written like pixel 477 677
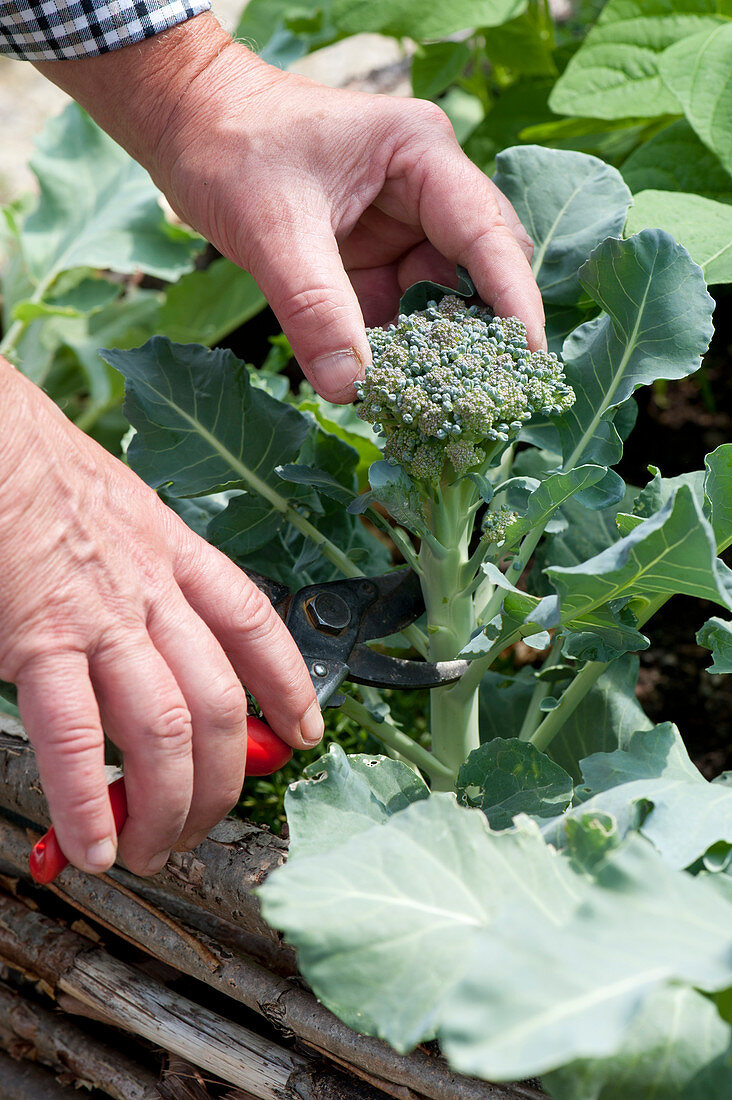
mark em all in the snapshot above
pixel 657 324
pixel 569 203
pixel 716 634
pixel 506 777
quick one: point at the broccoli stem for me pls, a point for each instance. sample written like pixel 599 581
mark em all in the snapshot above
pixel 451 621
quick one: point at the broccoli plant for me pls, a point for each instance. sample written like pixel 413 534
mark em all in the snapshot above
pixel 450 387
pixel 557 859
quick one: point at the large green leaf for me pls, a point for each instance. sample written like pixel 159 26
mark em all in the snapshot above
pixel 535 958
pixel 702 226
pixel 672 552
pixel 436 66
pixel 677 1049
pixel 201 426
pixel 615 73
pixel 349 795
pixel 676 160
pixel 569 203
pixel 718 493
pixel 575 980
pixel 521 104
pixel 205 306
pixel 503 702
pixel 97 208
pixel 698 71
pixel 605 720
pixel 414 19
pixel 657 324
pixel 687 814
pixel 716 634
pixel 506 777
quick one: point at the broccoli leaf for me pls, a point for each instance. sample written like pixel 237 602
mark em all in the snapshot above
pixel 653 785
pixel 569 203
pixel 718 494
pixel 536 958
pixel 506 777
pixel 657 324
pixel 673 551
pixel 677 1049
pixel 716 634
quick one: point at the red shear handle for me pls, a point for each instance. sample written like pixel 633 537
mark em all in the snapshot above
pixel 266 753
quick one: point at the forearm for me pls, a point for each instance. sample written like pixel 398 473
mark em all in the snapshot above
pixel 134 93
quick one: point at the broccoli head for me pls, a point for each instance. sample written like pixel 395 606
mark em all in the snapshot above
pixel 450 381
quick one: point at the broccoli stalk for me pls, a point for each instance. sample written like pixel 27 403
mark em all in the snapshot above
pixel 449 388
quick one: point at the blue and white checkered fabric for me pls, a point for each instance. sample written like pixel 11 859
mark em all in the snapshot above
pixel 53 30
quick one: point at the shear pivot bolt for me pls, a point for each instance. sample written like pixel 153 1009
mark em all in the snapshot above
pixel 320 669
pixel 329 611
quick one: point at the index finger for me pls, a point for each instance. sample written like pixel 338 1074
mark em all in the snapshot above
pixel 255 639
pixel 461 216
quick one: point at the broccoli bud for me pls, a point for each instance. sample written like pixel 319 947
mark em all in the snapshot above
pixel 450 381
pixel 496 523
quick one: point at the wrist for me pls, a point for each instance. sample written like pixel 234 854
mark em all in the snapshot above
pixel 133 92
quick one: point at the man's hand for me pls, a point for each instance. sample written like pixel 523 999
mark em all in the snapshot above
pixel 113 613
pixel 335 201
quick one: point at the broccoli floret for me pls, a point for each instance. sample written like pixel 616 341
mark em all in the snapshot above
pixel 496 523
pixel 449 381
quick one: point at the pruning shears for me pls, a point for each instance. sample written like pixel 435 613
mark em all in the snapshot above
pixel 331 624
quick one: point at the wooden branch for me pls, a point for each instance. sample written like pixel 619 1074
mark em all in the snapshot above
pixel 218 876
pixel 290 1008
pixel 27 1081
pixel 67 962
pixel 30 1030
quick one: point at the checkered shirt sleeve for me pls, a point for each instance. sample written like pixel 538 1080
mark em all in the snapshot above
pixel 54 30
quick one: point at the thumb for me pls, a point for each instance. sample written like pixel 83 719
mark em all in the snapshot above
pixel 302 277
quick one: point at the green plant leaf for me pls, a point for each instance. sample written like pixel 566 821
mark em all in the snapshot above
pixel 535 958
pixel 205 306
pixel 672 552
pixel 506 777
pixel 605 720
pixel 698 72
pixel 702 226
pixel 580 978
pixel 341 796
pixel 687 814
pixel 677 1049
pixel 436 66
pixel 550 495
pixel 657 324
pixel 716 634
pixel 392 487
pixel 718 494
pixel 569 203
pixel 676 160
pixel 503 701
pixel 412 19
pixel 524 45
pixel 97 208
pixel 521 104
pixel 615 72
pixel 344 422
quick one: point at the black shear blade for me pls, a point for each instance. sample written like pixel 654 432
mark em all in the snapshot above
pixel 366 666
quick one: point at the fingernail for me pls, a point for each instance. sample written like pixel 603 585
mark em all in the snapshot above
pixel 336 372
pixel 157 862
pixel 101 855
pixel 312 726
